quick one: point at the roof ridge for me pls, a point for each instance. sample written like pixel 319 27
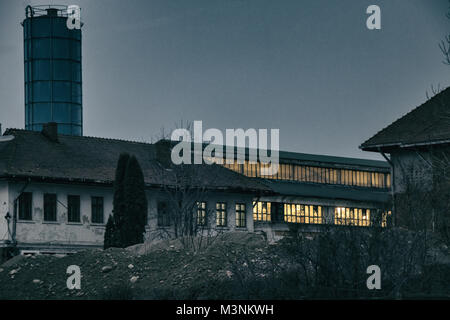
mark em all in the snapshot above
pixel 77 137
pixel 430 100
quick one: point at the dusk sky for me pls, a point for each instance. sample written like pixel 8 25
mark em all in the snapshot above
pixel 310 68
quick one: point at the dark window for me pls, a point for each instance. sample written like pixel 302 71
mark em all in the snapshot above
pixel 241 219
pixel 97 209
pixel 73 208
pixel 49 207
pixel 221 214
pixel 25 205
pixel 201 213
pixel 163 215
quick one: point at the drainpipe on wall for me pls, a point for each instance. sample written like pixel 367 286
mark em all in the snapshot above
pixel 392 184
pixel 14 226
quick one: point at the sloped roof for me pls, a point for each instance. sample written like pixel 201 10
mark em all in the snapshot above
pixel 426 124
pixel 30 154
pixel 315 159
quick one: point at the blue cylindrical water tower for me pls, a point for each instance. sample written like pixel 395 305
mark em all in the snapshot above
pixel 52 54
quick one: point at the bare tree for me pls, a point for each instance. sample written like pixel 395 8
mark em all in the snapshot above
pixel 444 45
pixel 185 189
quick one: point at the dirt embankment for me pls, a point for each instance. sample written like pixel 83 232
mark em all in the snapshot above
pixel 161 270
pixel 237 265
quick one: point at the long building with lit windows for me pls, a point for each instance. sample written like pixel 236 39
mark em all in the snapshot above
pixel 56 191
pixel 314 191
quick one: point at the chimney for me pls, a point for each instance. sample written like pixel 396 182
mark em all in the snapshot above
pixel 50 130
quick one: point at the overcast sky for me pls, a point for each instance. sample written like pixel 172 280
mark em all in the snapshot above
pixel 310 68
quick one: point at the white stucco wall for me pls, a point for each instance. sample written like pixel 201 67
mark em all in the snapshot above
pixel 60 234
pixel 212 198
pixel 4 207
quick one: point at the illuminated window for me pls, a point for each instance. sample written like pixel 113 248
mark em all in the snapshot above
pixel 261 211
pixel 299 213
pixel 265 166
pixel 201 213
pixel 285 173
pixel 296 170
pixel 245 166
pixel 255 169
pixel 333 176
pixel 241 217
pixel 381 180
pixel 290 171
pixel 221 214
pixel 384 218
pixel 314 174
pixel 352 216
pixel 315 171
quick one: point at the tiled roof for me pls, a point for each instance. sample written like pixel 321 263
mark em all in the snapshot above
pixel 428 123
pixel 90 159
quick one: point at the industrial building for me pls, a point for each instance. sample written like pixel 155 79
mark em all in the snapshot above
pixel 56 185
pixel 56 191
pixel 318 190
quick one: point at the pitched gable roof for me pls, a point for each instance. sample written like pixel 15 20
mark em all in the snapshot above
pixel 30 154
pixel 426 124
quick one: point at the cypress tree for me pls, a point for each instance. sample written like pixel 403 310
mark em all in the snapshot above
pixel 119 200
pixel 110 234
pixel 135 204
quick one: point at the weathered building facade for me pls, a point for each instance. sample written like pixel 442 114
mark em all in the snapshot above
pixel 417 147
pixel 56 191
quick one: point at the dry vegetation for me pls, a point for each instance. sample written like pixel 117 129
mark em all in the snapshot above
pixel 243 266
